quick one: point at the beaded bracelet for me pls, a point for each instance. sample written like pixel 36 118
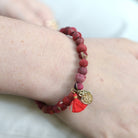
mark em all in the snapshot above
pixel 77 97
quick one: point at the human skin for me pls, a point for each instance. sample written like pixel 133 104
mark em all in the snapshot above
pixel 41 64
pixel 32 11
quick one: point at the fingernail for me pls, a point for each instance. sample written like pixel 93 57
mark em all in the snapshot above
pixel 51 24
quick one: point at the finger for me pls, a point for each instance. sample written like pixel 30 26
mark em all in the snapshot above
pixel 20 11
pixel 48 17
pixel 44 13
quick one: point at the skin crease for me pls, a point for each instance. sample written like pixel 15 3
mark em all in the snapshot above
pixel 29 68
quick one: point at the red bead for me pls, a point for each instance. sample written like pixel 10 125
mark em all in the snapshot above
pixel 71 30
pixel 76 35
pixel 80 78
pixel 66 101
pixel 61 105
pixel 79 86
pixel 70 96
pixel 40 104
pixel 82 70
pixel 62 30
pixel 51 112
pixel 44 109
pixel 55 109
pixel 83 63
pixel 83 54
pixel 79 40
pixel 81 48
pixel 47 108
pixel 66 30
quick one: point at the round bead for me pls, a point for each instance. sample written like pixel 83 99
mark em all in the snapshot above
pixel 55 109
pixel 66 101
pixel 47 108
pixel 70 96
pixel 76 35
pixel 66 30
pixel 44 109
pixel 82 70
pixel 51 112
pixel 61 105
pixel 79 40
pixel 62 30
pixel 81 48
pixel 79 86
pixel 40 104
pixel 71 30
pixel 83 63
pixel 80 78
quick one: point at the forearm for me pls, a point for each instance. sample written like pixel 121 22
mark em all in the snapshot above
pixel 34 59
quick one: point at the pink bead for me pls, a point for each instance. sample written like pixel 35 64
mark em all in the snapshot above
pixel 80 78
pixel 82 70
pixel 79 86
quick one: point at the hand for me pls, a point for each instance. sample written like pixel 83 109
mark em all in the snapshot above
pixel 35 66
pixel 32 11
pixel 113 80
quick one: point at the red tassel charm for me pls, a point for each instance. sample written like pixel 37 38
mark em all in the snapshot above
pixel 77 105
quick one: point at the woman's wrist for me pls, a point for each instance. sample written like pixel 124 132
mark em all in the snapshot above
pixel 35 62
pixel 60 62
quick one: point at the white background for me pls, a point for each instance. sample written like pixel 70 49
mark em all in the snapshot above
pixel 98 18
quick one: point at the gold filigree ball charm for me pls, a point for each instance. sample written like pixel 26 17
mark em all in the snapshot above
pixel 87 98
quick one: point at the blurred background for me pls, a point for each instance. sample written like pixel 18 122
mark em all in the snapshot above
pixel 98 18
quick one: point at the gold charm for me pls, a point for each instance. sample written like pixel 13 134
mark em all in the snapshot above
pixel 86 97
